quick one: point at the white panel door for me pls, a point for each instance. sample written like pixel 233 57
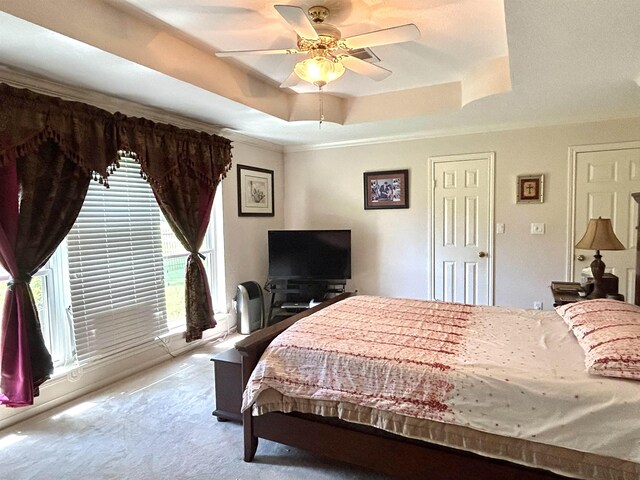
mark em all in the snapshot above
pixel 605 178
pixel 462 233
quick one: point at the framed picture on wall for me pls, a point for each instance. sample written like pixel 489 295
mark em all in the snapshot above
pixel 388 189
pixel 530 189
pixel 255 191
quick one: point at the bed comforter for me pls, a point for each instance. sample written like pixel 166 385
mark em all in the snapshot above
pixel 510 372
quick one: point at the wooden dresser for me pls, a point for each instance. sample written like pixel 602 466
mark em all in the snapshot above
pixel 636 196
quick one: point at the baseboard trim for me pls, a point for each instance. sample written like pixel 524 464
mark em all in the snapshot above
pixel 80 381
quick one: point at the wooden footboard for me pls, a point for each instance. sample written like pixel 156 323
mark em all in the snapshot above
pixel 382 452
pixel 385 453
pixel 251 349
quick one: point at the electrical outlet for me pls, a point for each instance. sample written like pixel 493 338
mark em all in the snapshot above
pixel 537 228
pixel 537 305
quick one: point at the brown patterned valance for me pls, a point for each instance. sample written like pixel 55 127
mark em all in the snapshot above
pixel 165 151
pixel 92 137
pixel 85 134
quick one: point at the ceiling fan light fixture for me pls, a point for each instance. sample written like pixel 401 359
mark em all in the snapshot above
pixel 319 70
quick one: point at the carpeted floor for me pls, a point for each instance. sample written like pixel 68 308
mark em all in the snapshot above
pixel 154 425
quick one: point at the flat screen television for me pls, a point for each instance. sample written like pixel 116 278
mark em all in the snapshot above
pixel 309 254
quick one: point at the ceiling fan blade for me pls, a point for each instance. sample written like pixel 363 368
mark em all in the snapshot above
pixel 365 68
pixel 288 51
pixel 402 33
pixel 296 17
pixel 291 81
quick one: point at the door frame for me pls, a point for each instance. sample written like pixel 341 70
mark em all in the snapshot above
pixel 432 160
pixel 571 192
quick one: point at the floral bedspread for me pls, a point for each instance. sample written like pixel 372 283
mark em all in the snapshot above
pixel 512 372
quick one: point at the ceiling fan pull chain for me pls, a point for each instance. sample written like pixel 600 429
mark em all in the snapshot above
pixel 321 107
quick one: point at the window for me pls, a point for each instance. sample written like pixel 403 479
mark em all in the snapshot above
pixel 55 321
pixel 117 281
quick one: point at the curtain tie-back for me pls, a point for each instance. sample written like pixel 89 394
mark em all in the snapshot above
pixel 199 254
pixel 25 278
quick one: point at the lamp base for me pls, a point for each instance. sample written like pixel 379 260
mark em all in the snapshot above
pixel 597 293
pixel 597 270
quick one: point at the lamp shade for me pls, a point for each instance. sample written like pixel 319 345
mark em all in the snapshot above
pixel 319 70
pixel 600 236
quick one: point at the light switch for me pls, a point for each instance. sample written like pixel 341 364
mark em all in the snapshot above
pixel 537 229
pixel 499 227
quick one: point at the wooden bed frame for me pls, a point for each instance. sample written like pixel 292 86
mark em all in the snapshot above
pixel 386 453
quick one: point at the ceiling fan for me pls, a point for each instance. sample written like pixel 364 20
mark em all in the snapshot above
pixel 328 53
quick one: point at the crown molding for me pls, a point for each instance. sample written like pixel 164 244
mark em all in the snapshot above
pixel 473 130
pixel 238 137
pixel 21 79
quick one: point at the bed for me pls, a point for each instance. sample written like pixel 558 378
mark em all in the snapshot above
pixel 576 424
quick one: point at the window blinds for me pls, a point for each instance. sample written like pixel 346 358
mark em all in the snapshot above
pixel 116 267
pixel 4 275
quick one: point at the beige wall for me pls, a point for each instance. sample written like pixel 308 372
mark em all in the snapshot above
pixel 324 189
pixel 245 238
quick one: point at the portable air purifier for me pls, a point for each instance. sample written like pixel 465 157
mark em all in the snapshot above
pixel 249 307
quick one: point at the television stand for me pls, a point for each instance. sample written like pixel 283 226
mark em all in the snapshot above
pixel 289 297
pixel 295 305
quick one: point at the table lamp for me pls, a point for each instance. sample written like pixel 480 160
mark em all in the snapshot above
pixel 599 236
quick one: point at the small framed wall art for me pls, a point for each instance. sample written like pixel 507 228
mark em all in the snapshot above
pixel 255 191
pixel 388 189
pixel 530 189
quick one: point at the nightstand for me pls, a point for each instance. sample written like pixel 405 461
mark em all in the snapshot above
pixel 227 370
pixel 569 292
pixel 566 292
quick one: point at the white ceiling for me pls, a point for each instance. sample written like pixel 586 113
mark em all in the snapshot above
pixel 479 65
pixel 453 41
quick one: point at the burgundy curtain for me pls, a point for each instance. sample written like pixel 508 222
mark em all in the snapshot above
pixel 42 196
pixel 184 183
pixel 49 150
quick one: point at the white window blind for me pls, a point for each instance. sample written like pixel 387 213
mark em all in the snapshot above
pixel 116 267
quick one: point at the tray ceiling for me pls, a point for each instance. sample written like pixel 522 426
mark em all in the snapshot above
pixel 478 65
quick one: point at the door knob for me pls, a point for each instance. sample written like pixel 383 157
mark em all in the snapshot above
pixel 482 254
pixel 580 258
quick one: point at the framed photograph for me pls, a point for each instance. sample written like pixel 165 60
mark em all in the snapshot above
pixel 255 191
pixel 530 188
pixel 386 189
